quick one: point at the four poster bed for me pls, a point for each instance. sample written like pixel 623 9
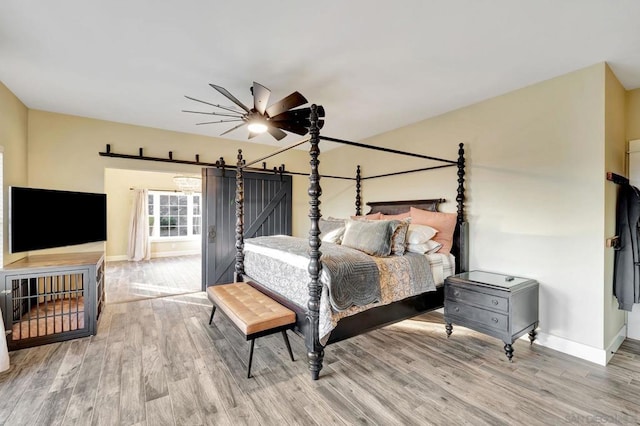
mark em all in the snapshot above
pixel 291 271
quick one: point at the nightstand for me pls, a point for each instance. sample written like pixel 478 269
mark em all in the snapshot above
pixel 501 306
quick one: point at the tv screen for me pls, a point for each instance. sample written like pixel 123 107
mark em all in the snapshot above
pixel 46 218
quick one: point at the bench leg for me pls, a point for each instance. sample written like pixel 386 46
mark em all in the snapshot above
pixel 250 359
pixel 286 341
pixel 213 311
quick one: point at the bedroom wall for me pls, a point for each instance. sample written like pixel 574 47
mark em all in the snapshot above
pixel 13 144
pixel 633 115
pixel 615 159
pixel 63 154
pixel 535 193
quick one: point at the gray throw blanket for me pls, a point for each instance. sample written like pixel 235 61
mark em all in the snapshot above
pixel 352 276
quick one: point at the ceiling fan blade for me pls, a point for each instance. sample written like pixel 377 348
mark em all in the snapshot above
pixel 260 97
pixel 215 105
pixel 276 133
pixel 232 98
pixel 292 101
pixel 291 127
pixel 212 113
pixel 216 122
pixel 292 115
pixel 233 128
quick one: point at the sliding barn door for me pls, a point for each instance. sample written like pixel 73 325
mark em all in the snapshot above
pixel 267 211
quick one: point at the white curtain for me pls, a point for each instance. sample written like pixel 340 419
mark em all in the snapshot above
pixel 4 353
pixel 139 245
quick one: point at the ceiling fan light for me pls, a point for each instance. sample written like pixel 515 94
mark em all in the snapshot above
pixel 257 127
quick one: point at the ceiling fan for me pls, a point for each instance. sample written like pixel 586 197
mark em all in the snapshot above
pixel 275 118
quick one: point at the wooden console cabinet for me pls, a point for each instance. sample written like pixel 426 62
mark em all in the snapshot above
pixel 50 298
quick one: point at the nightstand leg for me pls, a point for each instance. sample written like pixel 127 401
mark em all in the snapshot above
pixel 449 329
pixel 532 336
pixel 508 350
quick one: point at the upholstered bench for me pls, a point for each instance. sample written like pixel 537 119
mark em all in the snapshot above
pixel 252 312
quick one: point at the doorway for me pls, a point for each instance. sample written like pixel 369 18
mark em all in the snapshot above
pixel 175 264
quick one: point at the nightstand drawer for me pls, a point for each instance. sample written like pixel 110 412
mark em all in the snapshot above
pixel 477 315
pixel 475 298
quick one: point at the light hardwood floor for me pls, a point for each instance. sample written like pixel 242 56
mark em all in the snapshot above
pixel 157 361
pixel 158 277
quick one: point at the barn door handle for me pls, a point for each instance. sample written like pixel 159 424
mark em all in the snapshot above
pixel 212 234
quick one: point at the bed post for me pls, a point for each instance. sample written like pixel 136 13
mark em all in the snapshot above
pixel 239 270
pixel 315 352
pixel 463 232
pixel 358 185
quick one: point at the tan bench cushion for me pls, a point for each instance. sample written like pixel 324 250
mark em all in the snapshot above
pixel 250 310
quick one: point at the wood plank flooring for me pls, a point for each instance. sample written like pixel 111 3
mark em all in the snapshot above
pixel 163 276
pixel 156 361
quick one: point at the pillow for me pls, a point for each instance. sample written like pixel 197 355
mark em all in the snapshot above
pixel 371 237
pixel 396 216
pixel 370 216
pixel 445 223
pixel 329 224
pixel 334 236
pixel 399 237
pixel 429 247
pixel 420 234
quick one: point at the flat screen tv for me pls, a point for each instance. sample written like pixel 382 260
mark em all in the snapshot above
pixel 46 218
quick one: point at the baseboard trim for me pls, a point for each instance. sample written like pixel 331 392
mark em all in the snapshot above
pixel 617 341
pixel 580 350
pixel 175 253
pixel 116 258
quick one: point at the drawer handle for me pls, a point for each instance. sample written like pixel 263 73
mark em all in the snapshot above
pixel 494 319
pixel 494 301
pixel 456 293
pixel 456 309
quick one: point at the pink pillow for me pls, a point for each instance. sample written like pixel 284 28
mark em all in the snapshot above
pixel 445 223
pixel 396 216
pixel 372 216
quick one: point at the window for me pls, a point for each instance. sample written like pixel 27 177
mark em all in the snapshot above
pixel 174 214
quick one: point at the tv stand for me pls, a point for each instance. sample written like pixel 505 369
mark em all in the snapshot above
pixel 53 297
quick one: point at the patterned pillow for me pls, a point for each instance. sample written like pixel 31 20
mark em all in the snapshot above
pixel 399 238
pixel 371 237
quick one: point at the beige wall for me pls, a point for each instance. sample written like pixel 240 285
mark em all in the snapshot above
pixel 63 154
pixel 615 160
pixel 633 115
pixel 13 139
pixel 535 192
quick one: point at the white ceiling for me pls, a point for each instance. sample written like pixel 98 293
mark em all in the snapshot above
pixel 374 66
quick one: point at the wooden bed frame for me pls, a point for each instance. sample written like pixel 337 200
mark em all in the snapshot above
pixel 307 319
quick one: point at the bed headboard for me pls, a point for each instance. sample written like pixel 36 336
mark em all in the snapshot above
pixel 396 207
pixel 460 247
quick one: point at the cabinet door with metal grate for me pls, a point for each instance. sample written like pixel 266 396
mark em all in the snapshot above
pixel 45 301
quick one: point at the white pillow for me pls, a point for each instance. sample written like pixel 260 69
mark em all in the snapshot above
pixel 420 234
pixel 429 247
pixel 334 236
